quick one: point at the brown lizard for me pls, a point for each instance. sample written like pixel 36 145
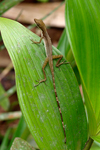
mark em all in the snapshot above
pixel 49 58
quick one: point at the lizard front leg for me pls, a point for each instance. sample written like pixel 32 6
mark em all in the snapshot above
pixel 44 64
pixel 34 42
pixel 43 67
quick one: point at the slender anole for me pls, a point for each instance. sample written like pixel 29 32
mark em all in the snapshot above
pixel 49 58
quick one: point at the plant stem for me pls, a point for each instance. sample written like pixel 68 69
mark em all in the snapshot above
pixel 10 115
pixel 88 144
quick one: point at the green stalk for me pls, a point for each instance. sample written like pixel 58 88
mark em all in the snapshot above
pixel 88 144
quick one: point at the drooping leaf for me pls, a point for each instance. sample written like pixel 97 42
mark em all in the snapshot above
pixel 39 104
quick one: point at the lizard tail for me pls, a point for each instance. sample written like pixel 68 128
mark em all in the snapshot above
pixel 58 105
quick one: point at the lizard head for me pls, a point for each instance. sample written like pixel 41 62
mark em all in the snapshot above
pixel 40 23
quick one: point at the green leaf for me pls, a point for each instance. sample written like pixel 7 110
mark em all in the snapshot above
pixel 4 101
pixel 83 29
pixel 39 104
pixel 20 144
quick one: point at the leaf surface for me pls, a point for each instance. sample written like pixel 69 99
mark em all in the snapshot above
pixel 39 104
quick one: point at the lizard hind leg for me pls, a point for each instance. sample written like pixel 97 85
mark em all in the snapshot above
pixel 43 67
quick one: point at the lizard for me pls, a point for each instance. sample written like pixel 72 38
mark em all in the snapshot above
pixel 49 58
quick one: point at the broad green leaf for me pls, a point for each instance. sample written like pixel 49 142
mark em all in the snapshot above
pixel 39 104
pixel 83 29
pixel 4 101
pixel 20 144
